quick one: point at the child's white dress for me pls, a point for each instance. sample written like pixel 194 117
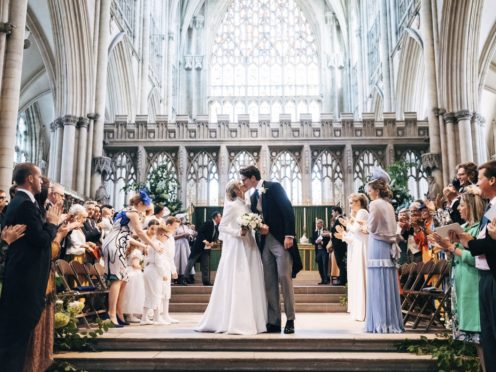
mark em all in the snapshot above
pixel 134 294
pixel 156 266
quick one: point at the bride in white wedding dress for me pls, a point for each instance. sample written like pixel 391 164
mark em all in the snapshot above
pixel 238 304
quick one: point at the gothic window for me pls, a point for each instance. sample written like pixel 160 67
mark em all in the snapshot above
pixel 203 180
pixel 417 179
pixel 264 53
pixel 22 140
pixel 163 158
pixel 364 163
pixel 327 179
pixel 123 174
pixel 286 171
pixel 240 160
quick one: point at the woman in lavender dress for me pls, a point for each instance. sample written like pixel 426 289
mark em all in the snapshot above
pixel 383 313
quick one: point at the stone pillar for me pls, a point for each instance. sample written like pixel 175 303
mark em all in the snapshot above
pixel 332 63
pixel 141 165
pixel 444 146
pixel 306 179
pixel 145 59
pixel 182 168
pixel 82 127
pixel 465 135
pixel 53 151
pixel 4 17
pixel 11 85
pixel 101 89
pixel 450 121
pixel 68 151
pixel 385 62
pixel 348 175
pixel 389 154
pixel 59 138
pixel 264 165
pixel 223 172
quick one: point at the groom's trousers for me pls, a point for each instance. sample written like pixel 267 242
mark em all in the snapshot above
pixel 278 264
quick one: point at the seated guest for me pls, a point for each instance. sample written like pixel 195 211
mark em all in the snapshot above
pixel 405 233
pixel 76 244
pixel 483 248
pixel 464 275
pixel 320 238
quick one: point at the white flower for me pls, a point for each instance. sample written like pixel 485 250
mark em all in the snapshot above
pixel 263 190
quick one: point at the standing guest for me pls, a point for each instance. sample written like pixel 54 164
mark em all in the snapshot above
pixel 182 236
pixel 383 313
pixel 320 239
pixel 171 225
pixel 483 248
pixel 453 201
pixel 26 272
pixel 115 245
pixel 419 232
pixel 97 215
pixel 90 228
pixel 405 235
pixel 339 246
pixel 464 275
pixel 3 206
pixel 159 213
pixel 357 240
pixel 56 195
pixel 207 236
pixel 105 224
pixel 466 174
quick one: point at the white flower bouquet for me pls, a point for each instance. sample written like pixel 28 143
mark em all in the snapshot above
pixel 249 221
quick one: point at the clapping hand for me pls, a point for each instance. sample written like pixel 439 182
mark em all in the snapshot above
pixel 343 221
pixel 53 214
pixel 491 229
pixel 462 238
pixel 11 233
pixel 436 239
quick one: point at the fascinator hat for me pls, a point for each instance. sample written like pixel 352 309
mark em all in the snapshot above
pixel 379 174
pixel 145 198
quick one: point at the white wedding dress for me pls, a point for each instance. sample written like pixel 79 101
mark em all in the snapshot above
pixel 238 304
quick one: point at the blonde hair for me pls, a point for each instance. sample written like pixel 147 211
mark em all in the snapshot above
pixel 231 190
pixel 362 198
pixel 474 203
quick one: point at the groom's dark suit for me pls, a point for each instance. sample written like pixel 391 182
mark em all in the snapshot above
pixel 279 264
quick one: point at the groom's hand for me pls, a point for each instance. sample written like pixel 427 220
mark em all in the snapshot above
pixel 288 242
pixel 264 229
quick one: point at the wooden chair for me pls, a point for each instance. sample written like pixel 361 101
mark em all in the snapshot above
pixel 423 277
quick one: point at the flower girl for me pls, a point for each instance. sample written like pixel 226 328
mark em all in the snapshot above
pixel 171 225
pixel 134 296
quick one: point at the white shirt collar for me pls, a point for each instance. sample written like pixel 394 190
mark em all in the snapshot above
pixel 493 202
pixel 29 193
pixel 260 184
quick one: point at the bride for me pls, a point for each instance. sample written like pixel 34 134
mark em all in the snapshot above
pixel 238 304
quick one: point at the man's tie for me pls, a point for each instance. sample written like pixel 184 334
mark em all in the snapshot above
pixel 216 233
pixel 485 220
pixel 254 201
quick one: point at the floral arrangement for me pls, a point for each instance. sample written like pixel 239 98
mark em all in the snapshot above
pixel 250 221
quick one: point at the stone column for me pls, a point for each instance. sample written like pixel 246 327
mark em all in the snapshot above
pixel 68 151
pixel 141 164
pixel 145 59
pixel 384 51
pixel 182 168
pixel 444 145
pixel 59 138
pixel 465 135
pixel 450 121
pixel 4 17
pixel 223 172
pixel 389 154
pixel 264 165
pixel 82 127
pixel 348 174
pixel 11 85
pixel 52 152
pixel 332 63
pixel 101 89
pixel 306 179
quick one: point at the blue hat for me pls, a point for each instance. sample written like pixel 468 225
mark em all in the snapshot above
pixel 145 198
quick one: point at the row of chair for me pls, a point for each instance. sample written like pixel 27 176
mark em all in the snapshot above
pixel 426 293
pixel 84 281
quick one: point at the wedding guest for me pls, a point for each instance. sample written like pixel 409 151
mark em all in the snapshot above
pixel 339 246
pixel 76 244
pixel 159 212
pixel 405 234
pixel 320 239
pixel 182 237
pixel 207 236
pixel 115 245
pixel 419 232
pixel 90 228
pixel 485 261
pixel 56 195
pixel 466 174
pixel 134 295
pixel 453 201
pixel 26 271
pixel 171 225
pixel 357 239
pixel 383 314
pixel 466 324
pixel 3 204
pixel 106 222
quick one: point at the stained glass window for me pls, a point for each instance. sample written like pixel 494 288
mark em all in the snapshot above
pixel 203 180
pixel 164 159
pixel 327 179
pixel 264 59
pixel 364 163
pixel 123 174
pixel 241 160
pixel 285 170
pixel 417 178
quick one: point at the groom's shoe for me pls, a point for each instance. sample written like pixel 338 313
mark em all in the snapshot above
pixel 289 329
pixel 271 328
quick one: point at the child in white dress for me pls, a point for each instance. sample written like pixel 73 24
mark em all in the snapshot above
pixel 171 225
pixel 134 297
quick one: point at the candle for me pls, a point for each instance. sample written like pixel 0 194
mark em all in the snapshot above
pixel 327 221
pixel 204 214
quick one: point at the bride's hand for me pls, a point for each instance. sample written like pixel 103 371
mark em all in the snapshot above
pixel 264 229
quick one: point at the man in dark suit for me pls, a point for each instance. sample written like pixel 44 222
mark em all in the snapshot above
pixel 339 246
pixel 320 238
pixel 90 229
pixel 280 256
pixel 26 269
pixel 484 250
pixel 207 236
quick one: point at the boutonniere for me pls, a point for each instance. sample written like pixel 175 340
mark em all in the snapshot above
pixel 263 190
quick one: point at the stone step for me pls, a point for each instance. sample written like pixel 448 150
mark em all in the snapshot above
pixel 299 298
pixel 195 307
pixel 247 361
pixel 310 289
pixel 275 342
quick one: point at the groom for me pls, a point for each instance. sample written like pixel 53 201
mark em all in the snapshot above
pixel 280 257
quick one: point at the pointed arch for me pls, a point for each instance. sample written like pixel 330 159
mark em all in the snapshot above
pixel 286 170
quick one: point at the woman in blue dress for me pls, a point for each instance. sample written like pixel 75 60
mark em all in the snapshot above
pixel 383 313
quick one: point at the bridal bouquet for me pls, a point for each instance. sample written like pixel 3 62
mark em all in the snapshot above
pixel 249 221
